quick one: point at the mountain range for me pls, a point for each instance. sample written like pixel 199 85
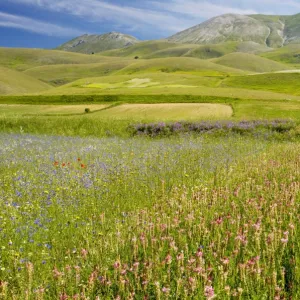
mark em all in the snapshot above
pixel 267 30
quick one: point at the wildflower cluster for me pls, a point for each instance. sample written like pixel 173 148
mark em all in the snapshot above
pixel 163 129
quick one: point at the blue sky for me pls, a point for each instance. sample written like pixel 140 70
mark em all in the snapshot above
pixel 49 23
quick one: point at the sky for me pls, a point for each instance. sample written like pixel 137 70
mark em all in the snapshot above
pixel 49 23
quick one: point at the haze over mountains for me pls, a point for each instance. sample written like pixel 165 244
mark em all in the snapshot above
pixel 265 30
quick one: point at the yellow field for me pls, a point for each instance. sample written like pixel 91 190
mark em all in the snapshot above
pixel 167 112
pixel 14 109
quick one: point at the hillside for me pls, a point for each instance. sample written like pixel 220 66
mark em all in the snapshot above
pixel 89 44
pixel 272 31
pixel 141 49
pixel 14 82
pixel 23 59
pixel 61 74
pixel 251 63
pixel 178 64
pixel 287 54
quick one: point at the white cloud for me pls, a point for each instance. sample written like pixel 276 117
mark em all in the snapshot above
pixel 160 17
pixel 101 11
pixel 200 9
pixel 28 24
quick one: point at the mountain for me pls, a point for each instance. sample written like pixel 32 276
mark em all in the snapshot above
pixel 97 43
pixel 272 31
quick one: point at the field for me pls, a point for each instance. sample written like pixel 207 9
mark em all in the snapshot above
pixel 174 175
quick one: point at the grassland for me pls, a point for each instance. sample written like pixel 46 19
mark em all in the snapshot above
pixel 91 209
pixel 144 214
pixel 287 83
pixel 251 62
pixel 141 49
pixel 156 72
pixel 61 74
pixel 23 59
pixel 287 54
pixel 12 82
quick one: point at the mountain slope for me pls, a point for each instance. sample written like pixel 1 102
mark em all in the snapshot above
pixel 229 27
pixel 97 43
pixel 272 31
pixel 141 49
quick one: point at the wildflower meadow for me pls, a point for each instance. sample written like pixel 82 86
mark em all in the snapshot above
pixel 182 217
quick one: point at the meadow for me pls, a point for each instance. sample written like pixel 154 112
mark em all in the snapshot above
pixel 174 175
pixel 195 217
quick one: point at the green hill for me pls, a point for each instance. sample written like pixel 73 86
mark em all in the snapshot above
pixel 287 54
pixel 175 51
pixel 14 82
pixel 251 63
pixel 209 51
pixel 142 49
pixel 62 74
pixel 23 58
pixel 177 65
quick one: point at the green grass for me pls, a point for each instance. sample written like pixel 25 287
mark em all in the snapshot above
pixel 150 213
pixel 178 64
pixel 287 54
pixel 176 51
pixel 288 83
pixel 74 74
pixel 142 49
pixel 251 63
pixel 212 51
pixel 14 82
pixel 265 109
pixel 163 84
pixel 115 119
pixel 61 74
pixel 87 210
pixel 23 59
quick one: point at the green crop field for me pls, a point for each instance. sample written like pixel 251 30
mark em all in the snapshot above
pixel 157 171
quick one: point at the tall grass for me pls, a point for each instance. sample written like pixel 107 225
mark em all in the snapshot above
pixel 179 218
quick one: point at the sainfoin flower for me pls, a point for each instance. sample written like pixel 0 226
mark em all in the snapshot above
pixel 209 292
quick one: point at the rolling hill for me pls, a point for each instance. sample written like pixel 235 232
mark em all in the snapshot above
pixel 14 82
pixel 141 49
pixel 250 62
pixel 61 74
pixel 23 59
pixel 287 54
pixel 178 65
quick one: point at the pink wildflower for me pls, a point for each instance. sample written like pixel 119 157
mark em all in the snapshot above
pixel 209 292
